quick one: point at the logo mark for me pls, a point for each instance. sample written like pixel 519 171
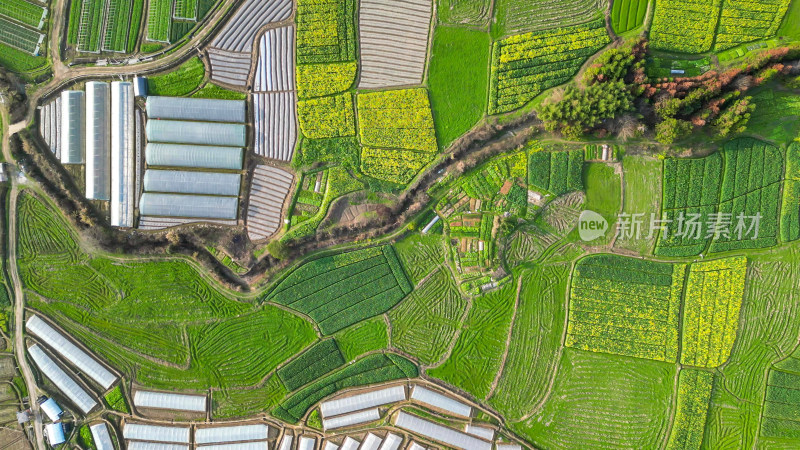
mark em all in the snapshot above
pixel 591 226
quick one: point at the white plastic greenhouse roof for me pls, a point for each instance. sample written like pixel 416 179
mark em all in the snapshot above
pixel 482 432
pixel 102 440
pixel 199 109
pixel 72 138
pixel 350 444
pixel 98 140
pixel 51 409
pixel 286 442
pixel 508 447
pixel 71 352
pixel 216 435
pixel 63 382
pixel 55 433
pixel 202 157
pixel 330 446
pixel 262 445
pixel 392 442
pixel 306 443
pixel 179 205
pixel 437 400
pixel 168 400
pixel 157 433
pixel 363 401
pixel 183 182
pixel 202 133
pixel 371 442
pixel 136 445
pixel 440 433
pixel 122 156
pixel 415 446
pixel 351 419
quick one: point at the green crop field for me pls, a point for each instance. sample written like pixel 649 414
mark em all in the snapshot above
pixel 642 196
pixel 89 27
pixel 790 206
pixel 159 20
pixel 211 90
pixel 340 290
pixel 628 15
pixel 462 54
pixel 183 80
pixel 420 255
pixel 478 352
pixel 118 25
pixel 602 187
pixel 19 37
pixel 364 337
pixel 186 9
pixel 464 12
pixel 556 172
pixel 23 11
pixel 315 362
pixel 694 392
pixel 516 16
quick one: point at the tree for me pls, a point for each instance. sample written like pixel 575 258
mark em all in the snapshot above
pixel 278 249
pixel 670 130
pixel 734 119
pixel 582 109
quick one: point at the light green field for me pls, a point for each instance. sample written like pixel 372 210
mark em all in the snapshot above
pixel 642 195
pixel 602 187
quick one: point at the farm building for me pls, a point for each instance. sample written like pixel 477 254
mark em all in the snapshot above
pixel 140 86
pixel 98 132
pixel 260 445
pixel 102 440
pixel 391 442
pixel 167 400
pixel 350 444
pixel 70 352
pixel 55 434
pixel 194 156
pixel 440 433
pixel 330 446
pixel 369 415
pixel 191 206
pixel 228 434
pixel 72 128
pixel 286 442
pixel 306 443
pixel 371 442
pixel 139 445
pixel 179 132
pixel 363 401
pixel 74 392
pixel 155 433
pixel 184 182
pixel 51 409
pixel 122 155
pixel 198 109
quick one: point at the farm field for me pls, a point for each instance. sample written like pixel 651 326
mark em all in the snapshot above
pixel 602 186
pixel 461 12
pixel 628 15
pixel 19 37
pixel 516 16
pixel 159 20
pixel 642 195
pixel 22 11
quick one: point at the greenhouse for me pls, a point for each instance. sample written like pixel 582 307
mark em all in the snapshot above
pixel 97 140
pixel 350 444
pixel 202 133
pixel 69 351
pixel 363 401
pixel 195 206
pixel 306 443
pixel 158 433
pixel 74 392
pixel 392 442
pixel 136 445
pixel 122 162
pixel 286 442
pixel 197 109
pixel 440 433
pixel 261 445
pixel 167 400
pixel 439 401
pixel 102 440
pixel 72 127
pixel 236 433
pixel 183 182
pixel 347 420
pixel 201 157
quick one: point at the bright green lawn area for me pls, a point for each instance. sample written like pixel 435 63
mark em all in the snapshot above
pixel 535 341
pixel 790 28
pixel 180 81
pixel 211 90
pixel 458 80
pixel 602 187
pixel 642 196
pixel 777 115
pixel 604 401
pixel 479 349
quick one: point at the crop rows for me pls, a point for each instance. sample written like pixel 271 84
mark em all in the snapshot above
pixel 393 42
pixel 516 16
pixel 396 166
pixel 23 11
pixel 268 191
pixel 457 12
pixel 625 306
pixel 186 9
pixel 118 25
pixel 50 126
pixel 312 364
pixel 694 394
pixel 275 66
pixel 627 15
pixel 711 312
pixel 751 184
pixel 240 32
pixel 326 31
pixel 340 290
pixel 780 416
pixel 19 37
pixel 556 172
pixel 275 125
pixel 790 210
pixel 326 117
pixel 229 67
pixel 159 20
pixel 317 80
pixel 92 17
pixel 371 369
pixel 41 232
pixel 743 21
pixel 685 26
pixel 525 65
